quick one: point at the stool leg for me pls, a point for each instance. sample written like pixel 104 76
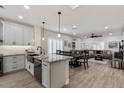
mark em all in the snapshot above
pixel 84 66
pixel 87 64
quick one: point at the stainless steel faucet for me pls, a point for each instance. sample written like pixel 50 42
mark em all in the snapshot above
pixel 42 51
pixel 39 47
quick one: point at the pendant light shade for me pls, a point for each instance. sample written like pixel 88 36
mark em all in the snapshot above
pixel 59 34
pixel 43 38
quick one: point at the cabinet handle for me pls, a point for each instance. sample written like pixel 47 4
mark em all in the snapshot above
pixel 14 67
pixel 14 43
pixel 44 64
pixel 14 57
pixel 29 67
pixel 28 43
pixel 14 62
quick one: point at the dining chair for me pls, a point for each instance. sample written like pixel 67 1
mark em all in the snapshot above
pixel 84 59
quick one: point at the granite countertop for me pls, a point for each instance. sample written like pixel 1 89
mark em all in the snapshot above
pixel 12 54
pixel 52 58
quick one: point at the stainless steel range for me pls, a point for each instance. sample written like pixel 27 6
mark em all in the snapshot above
pixel 1 64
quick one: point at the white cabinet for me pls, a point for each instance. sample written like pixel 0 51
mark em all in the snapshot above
pixel 12 63
pixel 17 34
pixel 45 74
pixel 55 74
pixel 29 67
pixel 1 32
pixel 28 36
pixel 9 35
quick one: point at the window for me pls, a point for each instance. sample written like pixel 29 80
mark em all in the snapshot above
pixel 54 45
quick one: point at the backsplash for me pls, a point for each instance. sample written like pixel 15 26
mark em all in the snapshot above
pixel 6 50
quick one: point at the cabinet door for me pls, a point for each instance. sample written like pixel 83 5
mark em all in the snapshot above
pixel 19 35
pixel 28 36
pixel 20 62
pixel 45 74
pixel 32 68
pixel 9 34
pixel 1 31
pixel 27 65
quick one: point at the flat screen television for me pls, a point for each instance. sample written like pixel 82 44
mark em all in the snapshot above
pixel 98 52
pixel 118 55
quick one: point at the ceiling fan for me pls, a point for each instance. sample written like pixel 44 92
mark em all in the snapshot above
pixel 1 6
pixel 93 35
pixel 73 7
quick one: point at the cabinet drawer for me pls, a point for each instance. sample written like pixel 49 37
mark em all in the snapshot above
pixel 12 63
pixel 9 68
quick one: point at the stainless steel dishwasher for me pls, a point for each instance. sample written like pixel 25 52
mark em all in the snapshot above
pixel 1 65
pixel 37 70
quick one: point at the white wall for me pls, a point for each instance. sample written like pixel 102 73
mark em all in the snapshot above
pixel 102 43
pixel 53 35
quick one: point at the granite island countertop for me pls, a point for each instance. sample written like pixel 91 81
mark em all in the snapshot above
pixel 50 58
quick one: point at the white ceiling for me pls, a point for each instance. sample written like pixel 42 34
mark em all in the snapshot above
pixel 89 19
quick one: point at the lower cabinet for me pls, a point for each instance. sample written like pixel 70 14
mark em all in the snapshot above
pixel 55 74
pixel 12 63
pixel 29 67
pixel 45 74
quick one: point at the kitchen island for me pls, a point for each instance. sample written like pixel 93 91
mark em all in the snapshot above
pixel 55 70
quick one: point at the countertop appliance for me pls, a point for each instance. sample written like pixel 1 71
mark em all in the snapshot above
pixel 37 70
pixel 1 65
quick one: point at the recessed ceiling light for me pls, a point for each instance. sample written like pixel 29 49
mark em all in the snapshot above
pixel 20 17
pixel 74 27
pixel 110 34
pixel 74 33
pixel 26 7
pixel 106 27
pixel 43 18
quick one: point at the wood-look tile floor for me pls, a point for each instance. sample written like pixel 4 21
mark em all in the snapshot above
pixel 20 79
pixel 97 76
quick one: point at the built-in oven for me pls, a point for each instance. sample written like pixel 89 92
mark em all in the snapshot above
pixel 1 65
pixel 37 70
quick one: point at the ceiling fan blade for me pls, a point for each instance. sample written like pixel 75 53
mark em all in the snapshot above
pixel 73 7
pixel 1 6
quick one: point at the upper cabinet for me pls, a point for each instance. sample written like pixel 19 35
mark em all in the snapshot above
pixel 17 34
pixel 28 36
pixel 1 33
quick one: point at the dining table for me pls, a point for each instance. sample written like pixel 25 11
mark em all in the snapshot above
pixel 75 59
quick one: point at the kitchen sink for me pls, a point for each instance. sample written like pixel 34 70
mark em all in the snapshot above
pixel 33 54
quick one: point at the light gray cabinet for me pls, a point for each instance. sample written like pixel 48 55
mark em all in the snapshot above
pixel 1 32
pixel 28 36
pixel 12 63
pixel 29 67
pixel 56 74
pixel 17 34
pixel 46 74
pixel 9 35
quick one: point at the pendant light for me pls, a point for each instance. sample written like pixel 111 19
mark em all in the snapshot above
pixel 59 34
pixel 43 38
